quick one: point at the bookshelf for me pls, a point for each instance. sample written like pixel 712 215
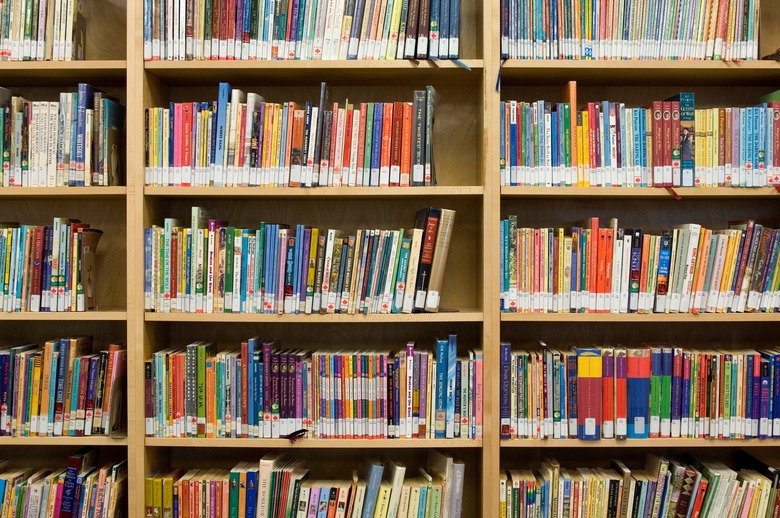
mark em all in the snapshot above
pixel 467 146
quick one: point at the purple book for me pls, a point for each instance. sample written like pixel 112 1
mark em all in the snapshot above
pixel 423 430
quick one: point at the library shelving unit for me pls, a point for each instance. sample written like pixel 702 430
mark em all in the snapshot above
pixel 104 208
pixel 467 161
pixel 635 83
pixel 460 140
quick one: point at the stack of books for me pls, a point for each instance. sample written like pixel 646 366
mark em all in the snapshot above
pixel 241 140
pixel 80 489
pixel 48 268
pixel 640 392
pixel 261 391
pixel 625 29
pixel 667 143
pixel 42 30
pixel 662 487
pixel 62 389
pixel 78 141
pixel 283 486
pixel 592 269
pixel 295 29
pixel 212 267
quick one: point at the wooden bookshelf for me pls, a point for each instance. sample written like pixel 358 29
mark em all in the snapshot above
pixel 468 164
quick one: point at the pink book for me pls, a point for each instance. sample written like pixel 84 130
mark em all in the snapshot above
pixel 477 432
pixel 177 141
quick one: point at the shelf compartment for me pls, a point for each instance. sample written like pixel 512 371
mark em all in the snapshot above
pixel 312 72
pixel 641 72
pixel 314 443
pixel 68 193
pixel 313 192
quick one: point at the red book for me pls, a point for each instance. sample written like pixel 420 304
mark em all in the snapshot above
pixel 699 498
pixel 347 173
pixel 395 146
pixel 666 151
pixel 675 144
pixel 35 291
pixel 361 143
pixel 608 393
pixel 245 361
pixel 621 393
pixel 608 271
pixel 186 144
pixel 589 395
pixel 406 145
pixel 601 270
pixel 387 137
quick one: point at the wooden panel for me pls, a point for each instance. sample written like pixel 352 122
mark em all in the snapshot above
pixel 38 332
pixel 106 26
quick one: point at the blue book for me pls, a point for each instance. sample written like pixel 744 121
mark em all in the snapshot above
pixel 403 266
pixel 440 406
pixel 435 13
pixel 251 348
pixel 764 399
pixel 423 506
pixel 251 491
pixel 86 101
pixel 301 244
pixel 502 264
pixel 220 134
pixel 638 388
pixel 444 29
pixel 148 233
pixel 376 144
pixel 257 367
pixel 372 473
pixel 506 390
pixel 452 353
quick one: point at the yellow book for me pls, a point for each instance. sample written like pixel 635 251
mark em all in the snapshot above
pixel 584 149
pixel 35 395
pixel 558 295
pixel 383 499
pixel 46 381
pixel 728 270
pixel 157 495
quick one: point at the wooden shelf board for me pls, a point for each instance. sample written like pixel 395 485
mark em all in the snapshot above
pixel 92 440
pixel 464 315
pixel 639 192
pixel 314 443
pixel 313 72
pixel 635 317
pixel 61 72
pixel 641 443
pixel 71 193
pixel 65 315
pixel 318 192
pixel 642 72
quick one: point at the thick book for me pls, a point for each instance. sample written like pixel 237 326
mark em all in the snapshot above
pixel 427 219
pixel 589 387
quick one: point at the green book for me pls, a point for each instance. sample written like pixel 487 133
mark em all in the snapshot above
pixel 233 494
pixel 656 367
pixel 229 245
pixel 771 97
pixel 667 359
pixel 205 350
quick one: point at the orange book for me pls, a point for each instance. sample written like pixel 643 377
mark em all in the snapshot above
pixel 286 151
pixel 406 145
pixel 395 145
pixel 601 270
pixel 387 136
pixel 591 226
pixel 644 271
pixel 296 151
pixel 702 261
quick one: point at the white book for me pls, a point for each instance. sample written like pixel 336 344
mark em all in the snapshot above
pixel 396 473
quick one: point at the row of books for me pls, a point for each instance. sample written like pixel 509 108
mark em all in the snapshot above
pixel 640 392
pixel 76 141
pixel 80 489
pixel 211 267
pixel 295 29
pixel 261 391
pixel 665 144
pixel 687 269
pixel 241 140
pixel 48 268
pixel 45 30
pixel 62 389
pixel 684 488
pixel 625 29
pixel 282 486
